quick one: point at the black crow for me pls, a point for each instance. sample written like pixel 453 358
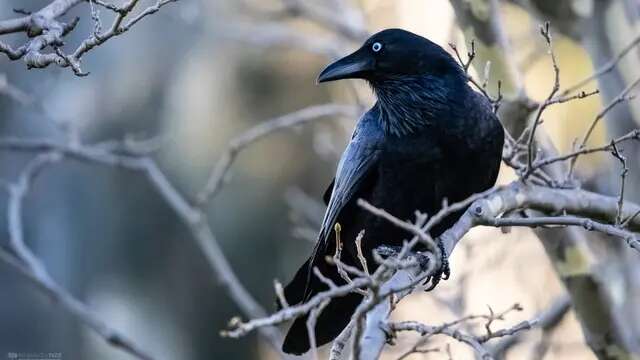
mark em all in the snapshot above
pixel 429 137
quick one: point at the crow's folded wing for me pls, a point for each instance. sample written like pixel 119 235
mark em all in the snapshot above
pixel 358 160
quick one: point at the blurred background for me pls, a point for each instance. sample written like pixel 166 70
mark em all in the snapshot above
pixel 198 73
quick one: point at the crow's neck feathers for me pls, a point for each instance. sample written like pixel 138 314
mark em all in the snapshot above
pixel 407 104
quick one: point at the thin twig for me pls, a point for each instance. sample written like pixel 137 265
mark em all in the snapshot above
pixel 361 258
pixel 311 327
pixel 544 30
pixel 623 175
pixel 632 135
pixel 482 87
pixel 336 260
pixel 547 320
pixel 604 69
pixel 621 97
pixel 219 172
pixel 46 31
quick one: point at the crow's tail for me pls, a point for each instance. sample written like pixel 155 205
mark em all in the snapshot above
pixel 333 319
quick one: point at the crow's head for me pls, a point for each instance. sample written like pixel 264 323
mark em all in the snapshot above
pixel 393 53
pixel 416 82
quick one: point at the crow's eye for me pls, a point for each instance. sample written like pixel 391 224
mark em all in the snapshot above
pixel 376 47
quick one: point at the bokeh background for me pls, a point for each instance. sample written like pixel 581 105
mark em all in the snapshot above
pixel 198 73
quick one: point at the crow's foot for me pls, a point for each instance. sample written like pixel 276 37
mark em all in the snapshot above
pixel 442 273
pixel 432 280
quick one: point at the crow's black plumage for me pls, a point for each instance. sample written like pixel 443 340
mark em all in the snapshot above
pixel 428 137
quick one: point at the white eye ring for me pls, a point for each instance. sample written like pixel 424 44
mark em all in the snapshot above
pixel 376 47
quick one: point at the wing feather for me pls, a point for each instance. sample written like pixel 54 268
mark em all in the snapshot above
pixel 358 160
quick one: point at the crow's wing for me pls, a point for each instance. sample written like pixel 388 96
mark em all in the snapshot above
pixel 358 160
pixel 356 164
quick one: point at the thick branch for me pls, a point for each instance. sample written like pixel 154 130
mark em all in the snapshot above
pixel 26 23
pixel 584 204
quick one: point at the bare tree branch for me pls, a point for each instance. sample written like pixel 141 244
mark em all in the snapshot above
pixel 14 93
pixel 475 342
pixel 544 30
pixel 47 31
pixel 485 210
pixel 132 156
pixel 547 320
pixel 622 96
pixel 606 68
pixel 583 204
pixel 20 257
pixel 220 170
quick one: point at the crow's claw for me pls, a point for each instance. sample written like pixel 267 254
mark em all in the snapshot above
pixel 431 281
pixel 442 273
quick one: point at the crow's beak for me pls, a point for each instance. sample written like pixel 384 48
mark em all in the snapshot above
pixel 354 66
